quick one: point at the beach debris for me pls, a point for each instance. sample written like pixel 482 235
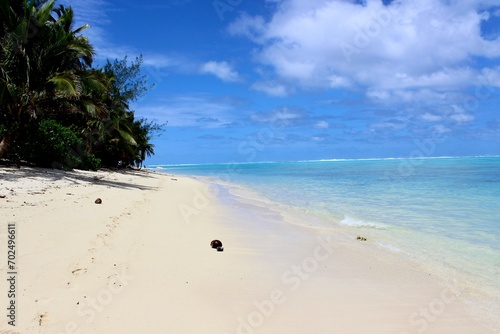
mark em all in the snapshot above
pixel 2 196
pixel 98 201
pixel 360 238
pixel 217 244
pixel 77 271
pixel 173 179
pixel 41 319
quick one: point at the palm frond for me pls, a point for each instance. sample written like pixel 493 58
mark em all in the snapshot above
pixel 66 84
pixel 127 137
pixel 43 14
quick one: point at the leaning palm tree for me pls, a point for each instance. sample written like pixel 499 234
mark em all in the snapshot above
pixel 145 131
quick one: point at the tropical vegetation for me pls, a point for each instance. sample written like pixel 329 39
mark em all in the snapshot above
pixel 58 110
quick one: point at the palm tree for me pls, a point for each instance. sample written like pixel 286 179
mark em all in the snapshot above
pixel 145 131
pixel 16 20
pixel 44 63
pixel 121 137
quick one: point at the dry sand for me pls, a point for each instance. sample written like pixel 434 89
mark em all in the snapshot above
pixel 140 262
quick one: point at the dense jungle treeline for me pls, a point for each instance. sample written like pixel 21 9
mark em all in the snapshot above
pixel 56 109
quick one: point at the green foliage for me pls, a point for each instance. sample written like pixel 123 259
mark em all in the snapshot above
pixel 55 109
pixel 128 84
pixel 90 162
pixel 57 146
pixel 126 139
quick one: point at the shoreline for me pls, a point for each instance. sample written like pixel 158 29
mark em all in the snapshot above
pixel 431 253
pixel 141 261
pixel 479 293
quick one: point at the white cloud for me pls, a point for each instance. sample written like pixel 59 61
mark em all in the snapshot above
pixel 221 70
pixel 489 77
pixel 391 125
pixel 251 27
pixel 411 96
pixel 191 111
pixel 338 81
pixel 408 45
pixel 428 117
pixel 271 88
pixel 441 129
pixel 458 114
pixel 319 138
pixel 322 125
pixel 281 117
pixel 461 118
pixel 161 60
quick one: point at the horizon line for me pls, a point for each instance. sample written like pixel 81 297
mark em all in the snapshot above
pixel 319 160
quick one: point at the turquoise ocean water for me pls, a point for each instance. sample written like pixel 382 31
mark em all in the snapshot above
pixel 444 213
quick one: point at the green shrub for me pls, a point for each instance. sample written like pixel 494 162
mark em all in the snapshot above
pixel 91 162
pixel 58 146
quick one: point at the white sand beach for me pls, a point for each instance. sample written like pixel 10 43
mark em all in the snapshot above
pixel 141 262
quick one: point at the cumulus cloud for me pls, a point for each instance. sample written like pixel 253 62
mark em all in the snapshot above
pixel 405 45
pixel 221 70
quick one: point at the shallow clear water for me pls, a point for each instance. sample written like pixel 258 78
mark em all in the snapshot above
pixel 442 211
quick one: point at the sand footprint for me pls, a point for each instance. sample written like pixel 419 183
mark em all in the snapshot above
pixel 103 237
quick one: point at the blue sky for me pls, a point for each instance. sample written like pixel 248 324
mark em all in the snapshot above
pixel 280 80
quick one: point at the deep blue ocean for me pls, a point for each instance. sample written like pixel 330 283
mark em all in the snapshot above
pixel 443 212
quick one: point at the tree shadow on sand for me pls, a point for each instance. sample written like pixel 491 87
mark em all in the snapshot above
pixel 76 177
